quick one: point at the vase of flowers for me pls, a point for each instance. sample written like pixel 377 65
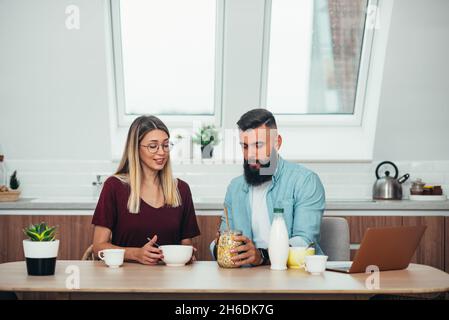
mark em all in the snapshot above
pixel 207 137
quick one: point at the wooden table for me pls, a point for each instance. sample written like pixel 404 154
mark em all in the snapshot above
pixel 205 280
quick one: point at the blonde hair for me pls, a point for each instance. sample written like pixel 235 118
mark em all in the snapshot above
pixel 130 168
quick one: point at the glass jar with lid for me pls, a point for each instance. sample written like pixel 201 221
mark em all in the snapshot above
pixel 226 243
pixel 3 174
pixel 417 187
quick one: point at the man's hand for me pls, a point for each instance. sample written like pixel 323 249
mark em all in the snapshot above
pixel 217 238
pixel 247 253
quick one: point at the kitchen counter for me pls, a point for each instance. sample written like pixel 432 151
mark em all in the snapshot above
pixel 215 204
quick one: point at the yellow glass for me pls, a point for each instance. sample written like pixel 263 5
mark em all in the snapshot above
pixel 297 257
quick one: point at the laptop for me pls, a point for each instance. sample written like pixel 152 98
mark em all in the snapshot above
pixel 389 248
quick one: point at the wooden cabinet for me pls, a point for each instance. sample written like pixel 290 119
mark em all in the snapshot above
pixel 359 224
pixel 208 226
pixel 75 234
pixel 446 245
pixel 431 250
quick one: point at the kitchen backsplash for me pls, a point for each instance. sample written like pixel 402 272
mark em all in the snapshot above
pixel 207 179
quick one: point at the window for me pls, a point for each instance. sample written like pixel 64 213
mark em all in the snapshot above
pixel 209 61
pixel 314 56
pixel 164 54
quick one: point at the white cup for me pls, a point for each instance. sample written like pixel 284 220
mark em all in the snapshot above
pixel 316 264
pixel 112 257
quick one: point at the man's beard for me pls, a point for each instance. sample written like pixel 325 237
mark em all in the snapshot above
pixel 256 177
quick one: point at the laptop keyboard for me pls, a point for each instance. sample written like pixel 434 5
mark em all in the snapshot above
pixel 339 265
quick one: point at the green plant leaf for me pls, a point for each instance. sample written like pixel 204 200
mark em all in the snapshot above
pixel 48 233
pixel 33 236
pixel 29 235
pixel 40 232
pixel 43 227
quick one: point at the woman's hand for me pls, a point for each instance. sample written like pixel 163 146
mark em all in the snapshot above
pixel 148 254
pixel 189 242
pixel 193 258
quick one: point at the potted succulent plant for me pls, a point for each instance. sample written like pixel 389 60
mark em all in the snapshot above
pixel 40 249
pixel 207 138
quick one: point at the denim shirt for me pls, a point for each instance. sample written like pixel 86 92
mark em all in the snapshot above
pixel 295 189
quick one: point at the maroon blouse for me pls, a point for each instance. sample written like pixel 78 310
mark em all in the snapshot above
pixel 171 225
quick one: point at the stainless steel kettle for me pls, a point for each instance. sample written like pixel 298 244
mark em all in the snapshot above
pixel 388 187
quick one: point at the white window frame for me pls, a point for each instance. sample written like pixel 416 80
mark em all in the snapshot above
pixel 336 138
pixel 326 138
pixel 355 119
pixel 124 120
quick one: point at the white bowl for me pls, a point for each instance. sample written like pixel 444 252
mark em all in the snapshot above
pixel 176 255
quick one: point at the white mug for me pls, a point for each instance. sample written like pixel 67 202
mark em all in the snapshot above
pixel 112 257
pixel 316 264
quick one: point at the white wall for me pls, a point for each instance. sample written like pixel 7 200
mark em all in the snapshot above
pixel 53 90
pixel 413 119
pixel 243 32
pixel 54 99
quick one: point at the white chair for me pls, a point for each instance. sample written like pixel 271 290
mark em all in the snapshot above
pixel 335 238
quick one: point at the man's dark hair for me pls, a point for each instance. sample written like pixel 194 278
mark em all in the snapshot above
pixel 256 118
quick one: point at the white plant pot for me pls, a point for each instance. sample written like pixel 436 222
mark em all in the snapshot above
pixel 41 257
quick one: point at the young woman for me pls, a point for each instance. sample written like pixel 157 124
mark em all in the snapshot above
pixel 142 199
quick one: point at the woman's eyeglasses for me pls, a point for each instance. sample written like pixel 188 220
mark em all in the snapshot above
pixel 154 147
